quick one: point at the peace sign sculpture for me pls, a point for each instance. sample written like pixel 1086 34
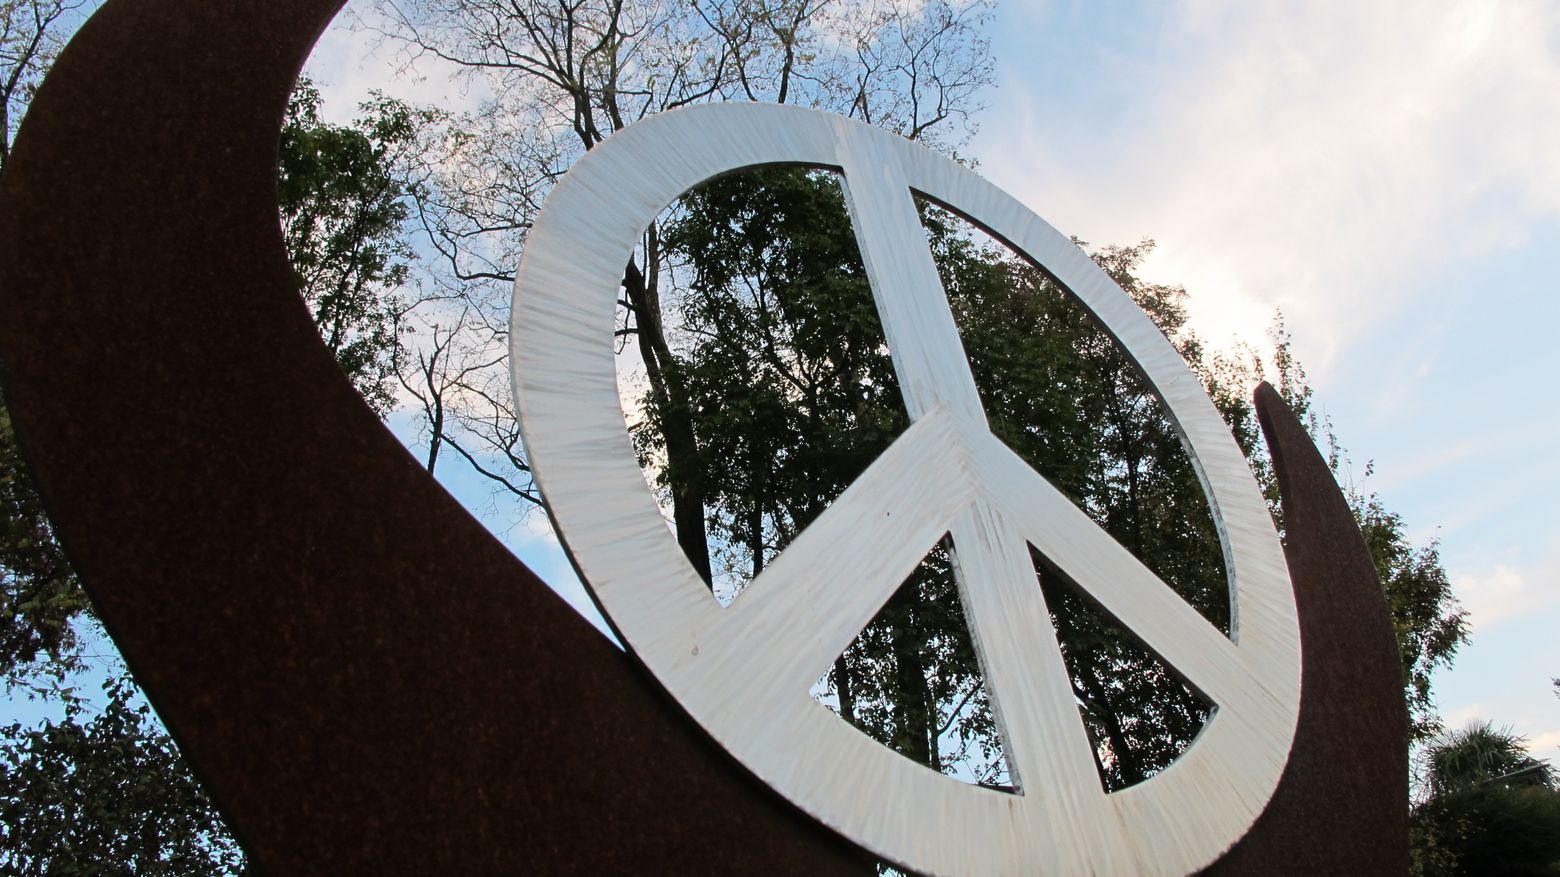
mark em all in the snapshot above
pixel 743 672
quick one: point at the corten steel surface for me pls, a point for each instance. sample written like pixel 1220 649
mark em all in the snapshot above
pixel 1342 805
pixel 366 680
pixel 744 671
pixel 363 677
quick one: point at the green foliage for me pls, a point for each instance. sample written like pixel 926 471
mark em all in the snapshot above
pixel 1425 614
pixel 1489 831
pixel 1482 755
pixel 105 795
pixel 1429 623
pixel 789 370
pixel 1493 809
pixel 791 394
pixel 1066 398
pixel 39 593
pixel 343 198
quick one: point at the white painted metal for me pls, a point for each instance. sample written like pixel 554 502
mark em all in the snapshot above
pixel 744 672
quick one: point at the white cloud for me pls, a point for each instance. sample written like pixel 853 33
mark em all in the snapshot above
pixel 1322 156
pixel 1546 746
pixel 351 60
pixel 1500 592
pixel 1465 716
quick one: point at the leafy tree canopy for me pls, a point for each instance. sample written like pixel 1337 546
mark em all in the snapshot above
pixel 786 379
pixel 39 593
pixel 105 794
pixel 1492 808
pixel 344 200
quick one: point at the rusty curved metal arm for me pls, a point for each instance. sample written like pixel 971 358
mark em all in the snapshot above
pixel 366 680
pixel 1342 803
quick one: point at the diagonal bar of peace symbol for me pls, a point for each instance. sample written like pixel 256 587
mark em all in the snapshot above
pixel 743 672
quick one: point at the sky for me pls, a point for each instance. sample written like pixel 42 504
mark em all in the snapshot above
pixel 1387 174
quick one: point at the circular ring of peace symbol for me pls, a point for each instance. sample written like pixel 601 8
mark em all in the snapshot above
pixel 744 672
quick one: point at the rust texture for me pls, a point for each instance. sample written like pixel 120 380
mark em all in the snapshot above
pixel 1342 803
pixel 362 676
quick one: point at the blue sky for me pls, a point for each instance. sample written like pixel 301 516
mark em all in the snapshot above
pixel 1388 174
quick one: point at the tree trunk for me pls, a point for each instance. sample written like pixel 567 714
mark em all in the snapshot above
pixel 677 418
pixel 1127 765
pixel 912 711
pixel 842 687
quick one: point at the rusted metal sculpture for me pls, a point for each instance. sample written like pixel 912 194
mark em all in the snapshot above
pixel 362 676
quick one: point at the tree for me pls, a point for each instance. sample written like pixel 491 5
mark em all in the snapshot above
pixel 106 795
pixel 1482 754
pixel 343 193
pixel 39 594
pixel 791 394
pixel 1429 627
pixel 40 597
pixel 31 34
pixel 1491 808
pixel 566 75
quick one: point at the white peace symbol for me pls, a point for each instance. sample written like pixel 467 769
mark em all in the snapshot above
pixel 744 672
